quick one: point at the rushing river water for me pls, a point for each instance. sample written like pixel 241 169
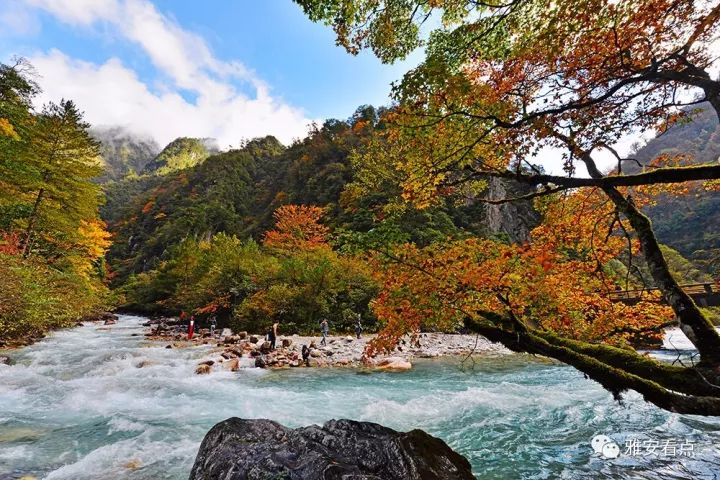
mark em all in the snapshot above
pixel 76 406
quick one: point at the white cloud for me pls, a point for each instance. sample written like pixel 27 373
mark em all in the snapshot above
pixel 111 93
pixel 82 12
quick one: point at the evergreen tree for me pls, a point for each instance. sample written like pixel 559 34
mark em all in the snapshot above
pixel 64 158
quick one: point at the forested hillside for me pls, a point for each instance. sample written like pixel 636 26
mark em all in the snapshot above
pixel 123 153
pixel 689 223
pixel 190 231
pixel 52 241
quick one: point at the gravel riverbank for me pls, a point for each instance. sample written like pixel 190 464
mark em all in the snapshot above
pixel 238 350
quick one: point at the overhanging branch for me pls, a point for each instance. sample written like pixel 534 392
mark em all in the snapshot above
pixel 659 176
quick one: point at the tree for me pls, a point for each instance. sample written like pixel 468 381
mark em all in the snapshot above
pixel 51 240
pixel 504 80
pixel 64 159
pixel 297 228
pixel 17 90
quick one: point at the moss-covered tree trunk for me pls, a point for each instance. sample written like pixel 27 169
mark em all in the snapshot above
pixel 692 321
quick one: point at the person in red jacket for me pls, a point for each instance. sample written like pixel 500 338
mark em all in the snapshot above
pixel 191 327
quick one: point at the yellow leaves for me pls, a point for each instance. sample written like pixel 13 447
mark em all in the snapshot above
pixel 7 130
pixel 94 238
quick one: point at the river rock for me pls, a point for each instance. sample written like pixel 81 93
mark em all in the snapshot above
pixel 206 362
pixel 242 335
pixel 233 365
pixel 239 449
pixel 260 361
pixel 5 360
pixel 254 339
pixel 226 332
pixel 144 363
pixel 203 369
pixel 393 363
pixel 286 342
pixel 266 347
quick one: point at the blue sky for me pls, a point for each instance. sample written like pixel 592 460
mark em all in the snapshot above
pixel 165 68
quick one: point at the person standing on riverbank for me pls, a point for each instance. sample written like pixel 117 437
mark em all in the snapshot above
pixel 306 355
pixel 272 335
pixel 324 329
pixel 213 325
pixel 358 327
pixel 191 328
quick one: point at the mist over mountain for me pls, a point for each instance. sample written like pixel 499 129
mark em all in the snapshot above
pixel 123 152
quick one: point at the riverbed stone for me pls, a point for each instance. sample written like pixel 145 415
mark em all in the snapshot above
pixel 203 369
pixel 266 347
pixel 393 363
pixel 340 449
pixel 233 365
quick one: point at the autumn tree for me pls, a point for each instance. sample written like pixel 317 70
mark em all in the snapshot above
pixel 52 242
pixel 65 159
pixel 506 81
pixel 297 228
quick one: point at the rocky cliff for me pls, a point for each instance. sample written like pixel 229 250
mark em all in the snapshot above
pixel 513 219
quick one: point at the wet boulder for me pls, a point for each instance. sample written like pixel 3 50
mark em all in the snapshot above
pixel 260 361
pixel 233 365
pixel 238 449
pixel 393 363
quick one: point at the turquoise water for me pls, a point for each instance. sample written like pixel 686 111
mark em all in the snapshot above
pixel 76 406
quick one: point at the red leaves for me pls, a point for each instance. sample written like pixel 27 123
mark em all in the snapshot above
pixel 10 243
pixel 553 283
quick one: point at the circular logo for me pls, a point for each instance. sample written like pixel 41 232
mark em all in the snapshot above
pixel 605 446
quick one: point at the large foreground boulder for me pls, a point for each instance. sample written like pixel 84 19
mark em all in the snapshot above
pixel 238 449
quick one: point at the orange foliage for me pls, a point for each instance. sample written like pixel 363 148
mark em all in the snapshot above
pixel 556 283
pixel 297 227
pixel 148 206
pixel 10 243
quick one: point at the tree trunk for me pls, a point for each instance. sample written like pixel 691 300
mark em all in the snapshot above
pixel 616 380
pixel 31 223
pixel 692 322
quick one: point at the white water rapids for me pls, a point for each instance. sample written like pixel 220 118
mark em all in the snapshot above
pixel 77 406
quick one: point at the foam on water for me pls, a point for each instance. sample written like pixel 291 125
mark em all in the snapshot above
pixel 101 402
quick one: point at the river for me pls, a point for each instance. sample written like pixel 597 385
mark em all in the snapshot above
pixel 76 406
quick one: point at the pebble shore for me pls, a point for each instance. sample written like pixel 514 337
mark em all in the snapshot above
pixel 235 350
